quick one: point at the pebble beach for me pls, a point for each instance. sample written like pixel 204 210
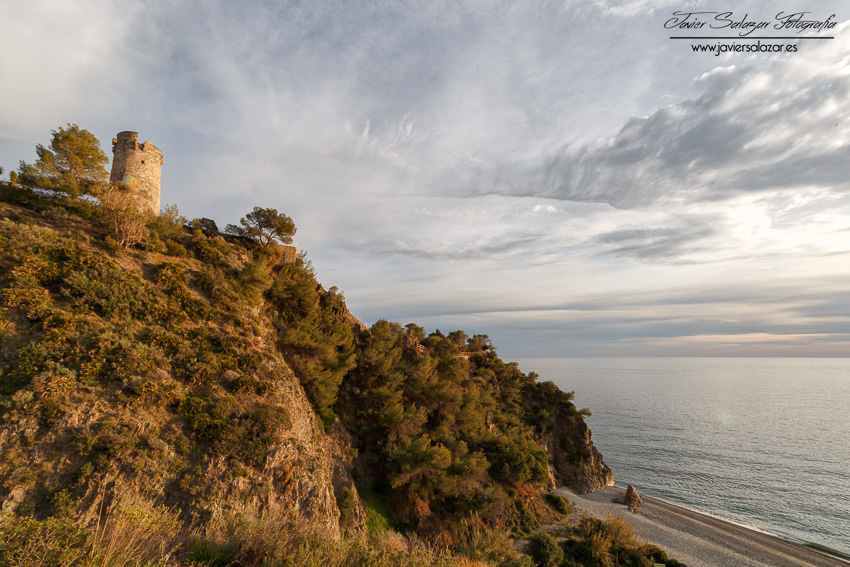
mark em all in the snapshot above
pixel 699 540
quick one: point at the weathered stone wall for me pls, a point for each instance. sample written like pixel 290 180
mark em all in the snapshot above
pixel 290 254
pixel 138 167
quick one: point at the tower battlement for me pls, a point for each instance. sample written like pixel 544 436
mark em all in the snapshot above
pixel 138 167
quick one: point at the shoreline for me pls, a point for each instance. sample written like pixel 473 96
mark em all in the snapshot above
pixel 704 540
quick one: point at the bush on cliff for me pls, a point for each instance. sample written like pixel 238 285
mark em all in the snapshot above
pixel 544 550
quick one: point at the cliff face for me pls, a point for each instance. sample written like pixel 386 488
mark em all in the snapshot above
pixel 574 457
pixel 302 474
pixel 574 460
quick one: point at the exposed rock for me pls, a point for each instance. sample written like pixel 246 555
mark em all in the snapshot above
pixel 352 515
pixel 304 475
pixel 632 499
pixel 551 482
pixel 16 496
pixel 565 437
pixel 573 456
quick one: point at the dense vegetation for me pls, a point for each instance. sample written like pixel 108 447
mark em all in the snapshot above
pixel 441 426
pixel 154 351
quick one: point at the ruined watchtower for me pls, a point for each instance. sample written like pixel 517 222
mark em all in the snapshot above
pixel 138 167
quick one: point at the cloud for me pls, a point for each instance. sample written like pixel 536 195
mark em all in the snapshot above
pixel 636 7
pixel 752 128
pixel 62 63
pixel 655 243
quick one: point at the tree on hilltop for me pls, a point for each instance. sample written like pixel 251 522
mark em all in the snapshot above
pixel 205 225
pixel 264 226
pixel 73 163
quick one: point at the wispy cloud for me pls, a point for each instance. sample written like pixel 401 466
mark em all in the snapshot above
pixel 752 128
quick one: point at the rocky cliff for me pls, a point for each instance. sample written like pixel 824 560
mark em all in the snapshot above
pixel 574 459
pixel 572 454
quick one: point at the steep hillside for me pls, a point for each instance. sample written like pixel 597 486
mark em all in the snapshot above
pixel 151 374
pixel 213 377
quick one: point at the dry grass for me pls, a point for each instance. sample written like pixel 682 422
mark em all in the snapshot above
pixel 622 533
pixel 134 532
pixel 278 540
pixel 478 542
pixel 131 533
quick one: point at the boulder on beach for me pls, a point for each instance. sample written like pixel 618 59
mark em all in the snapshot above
pixel 632 498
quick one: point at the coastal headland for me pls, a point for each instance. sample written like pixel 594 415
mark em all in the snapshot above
pixel 699 540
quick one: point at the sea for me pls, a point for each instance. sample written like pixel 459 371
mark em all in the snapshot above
pixel 764 442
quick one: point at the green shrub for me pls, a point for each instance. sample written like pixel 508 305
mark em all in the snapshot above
pixel 207 226
pixel 347 503
pixel 111 244
pixel 655 553
pixel 630 557
pixel 51 411
pixel 208 249
pixel 520 518
pixel 170 275
pixel 109 443
pixel 55 205
pixel 245 437
pixel 559 503
pixel 27 542
pixel 174 248
pixel 62 502
pixel 152 391
pixel 249 385
pixel 211 554
pixel 207 419
pixel 317 342
pixel 492 544
pixel 98 285
pixel 211 280
pixel 158 337
pixel 544 550
pixel 168 224
pixel 377 510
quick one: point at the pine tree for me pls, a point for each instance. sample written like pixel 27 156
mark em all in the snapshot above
pixel 74 163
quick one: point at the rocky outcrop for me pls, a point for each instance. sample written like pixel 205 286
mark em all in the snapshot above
pixel 352 515
pixel 304 475
pixel 566 438
pixel 632 499
pixel 577 463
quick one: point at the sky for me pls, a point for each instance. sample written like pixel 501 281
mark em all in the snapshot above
pixel 561 176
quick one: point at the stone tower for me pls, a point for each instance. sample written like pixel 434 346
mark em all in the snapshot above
pixel 138 167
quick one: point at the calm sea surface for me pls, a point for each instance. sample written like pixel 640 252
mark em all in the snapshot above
pixel 762 441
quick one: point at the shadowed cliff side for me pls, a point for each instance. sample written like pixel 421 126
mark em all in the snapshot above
pixel 575 458
pixel 565 436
